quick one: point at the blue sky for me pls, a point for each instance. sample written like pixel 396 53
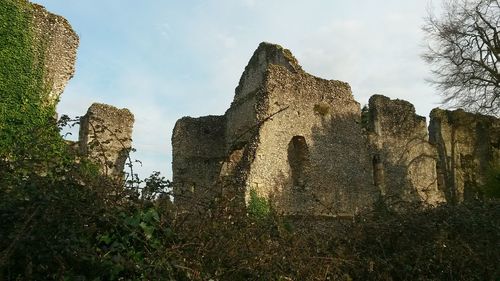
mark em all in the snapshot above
pixel 165 59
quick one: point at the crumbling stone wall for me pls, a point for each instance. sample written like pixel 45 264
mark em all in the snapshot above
pixel 404 162
pixel 246 110
pixel 106 137
pixel 468 145
pixel 200 150
pixel 37 56
pixel 105 131
pixel 39 53
pixel 302 143
pixel 306 151
pixel 291 137
pixel 57 45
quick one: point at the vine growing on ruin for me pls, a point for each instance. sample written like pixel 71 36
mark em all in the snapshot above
pixel 23 114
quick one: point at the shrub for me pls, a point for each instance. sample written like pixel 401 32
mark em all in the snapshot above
pixel 491 188
pixel 258 207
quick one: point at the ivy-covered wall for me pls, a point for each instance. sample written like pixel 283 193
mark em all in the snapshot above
pixel 37 56
pixel 21 77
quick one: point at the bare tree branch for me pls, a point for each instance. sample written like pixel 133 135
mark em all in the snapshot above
pixel 464 54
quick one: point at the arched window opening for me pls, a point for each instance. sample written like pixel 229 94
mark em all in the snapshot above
pixel 298 158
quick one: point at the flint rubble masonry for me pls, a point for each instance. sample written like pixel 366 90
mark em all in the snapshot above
pixel 292 137
pixel 399 144
pixel 468 146
pixel 200 147
pixel 106 137
pixel 300 142
pixel 59 45
pixel 297 140
pixel 105 131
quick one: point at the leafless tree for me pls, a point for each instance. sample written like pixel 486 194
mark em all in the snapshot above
pixel 464 54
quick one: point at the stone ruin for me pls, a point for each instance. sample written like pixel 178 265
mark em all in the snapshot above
pixel 404 162
pixel 467 145
pixel 300 141
pixel 106 137
pixel 56 44
pixel 105 131
pixel 304 144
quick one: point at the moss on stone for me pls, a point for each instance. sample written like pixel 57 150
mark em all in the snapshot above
pixel 322 108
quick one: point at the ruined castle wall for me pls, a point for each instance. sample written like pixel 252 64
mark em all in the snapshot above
pixel 301 142
pixel 56 44
pixel 253 77
pixel 468 146
pixel 244 114
pixel 399 144
pixel 307 151
pixel 242 121
pixel 106 137
pixel 37 57
pixel 291 137
pixel 199 150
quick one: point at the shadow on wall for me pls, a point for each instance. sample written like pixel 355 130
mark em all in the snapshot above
pixel 403 160
pixel 301 142
pixel 468 147
pixel 330 172
pixel 394 176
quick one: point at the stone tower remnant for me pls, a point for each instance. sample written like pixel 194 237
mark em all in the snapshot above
pixel 468 146
pixel 56 43
pixel 404 162
pixel 303 143
pixel 105 131
pixel 106 137
pixel 48 42
pixel 200 147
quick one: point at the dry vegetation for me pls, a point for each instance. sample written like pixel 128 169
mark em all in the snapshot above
pixel 77 225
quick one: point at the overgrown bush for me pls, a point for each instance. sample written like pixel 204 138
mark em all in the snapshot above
pixel 491 188
pixel 72 223
pixel 445 243
pixel 62 220
pixel 258 206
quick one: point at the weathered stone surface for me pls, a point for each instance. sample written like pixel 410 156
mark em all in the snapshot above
pixel 56 44
pixel 293 138
pixel 48 46
pixel 404 163
pixel 302 143
pixel 307 144
pixel 106 137
pixel 199 144
pixel 253 76
pixel 468 145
